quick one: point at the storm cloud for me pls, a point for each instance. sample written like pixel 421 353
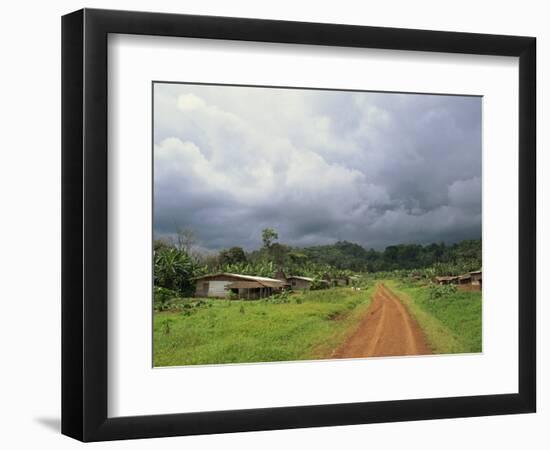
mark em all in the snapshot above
pixel 318 166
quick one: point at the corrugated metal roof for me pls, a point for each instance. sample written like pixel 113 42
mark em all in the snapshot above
pixel 300 278
pixel 254 284
pixel 449 278
pixel 273 284
pixel 244 285
pixel 241 277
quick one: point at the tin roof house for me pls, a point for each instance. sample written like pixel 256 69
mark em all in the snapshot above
pixel 222 285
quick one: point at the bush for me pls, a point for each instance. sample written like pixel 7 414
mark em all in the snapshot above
pixel 437 291
pixel 162 296
pixel 175 270
pixel 282 297
pixel 318 284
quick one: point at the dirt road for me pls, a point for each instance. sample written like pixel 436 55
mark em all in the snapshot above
pixel 386 330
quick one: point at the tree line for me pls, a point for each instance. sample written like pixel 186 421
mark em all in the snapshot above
pixel 177 261
pixel 344 255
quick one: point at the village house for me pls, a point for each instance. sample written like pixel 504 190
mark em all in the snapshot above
pixel 337 281
pixel 341 281
pixel 297 282
pixel 447 280
pixel 476 278
pixel 222 285
pixel 468 281
pixel 465 279
pixel 471 278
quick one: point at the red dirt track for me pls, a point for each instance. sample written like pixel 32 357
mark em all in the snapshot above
pixel 386 330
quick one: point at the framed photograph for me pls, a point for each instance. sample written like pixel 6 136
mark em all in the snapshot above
pixel 272 224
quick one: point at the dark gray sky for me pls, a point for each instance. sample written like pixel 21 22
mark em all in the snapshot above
pixel 318 166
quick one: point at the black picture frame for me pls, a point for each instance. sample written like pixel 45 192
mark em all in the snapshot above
pixel 84 224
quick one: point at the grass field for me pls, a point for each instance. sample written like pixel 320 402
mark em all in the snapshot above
pixel 452 324
pixel 310 326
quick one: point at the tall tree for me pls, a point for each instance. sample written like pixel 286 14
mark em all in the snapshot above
pixel 174 269
pixel 269 235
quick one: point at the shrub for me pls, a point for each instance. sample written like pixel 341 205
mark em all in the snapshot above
pixel 162 296
pixel 318 284
pixel 175 270
pixel 282 297
pixel 437 292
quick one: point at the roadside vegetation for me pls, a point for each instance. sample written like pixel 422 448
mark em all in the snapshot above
pixel 451 319
pixel 291 327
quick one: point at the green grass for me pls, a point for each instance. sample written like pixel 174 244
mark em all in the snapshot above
pixel 452 324
pixel 310 326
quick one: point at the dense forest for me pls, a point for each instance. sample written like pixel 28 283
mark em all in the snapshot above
pixel 347 255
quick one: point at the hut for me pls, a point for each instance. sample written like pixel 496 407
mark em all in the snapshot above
pixel 447 280
pixel 476 278
pixel 297 282
pixel 340 281
pixel 465 279
pixel 222 285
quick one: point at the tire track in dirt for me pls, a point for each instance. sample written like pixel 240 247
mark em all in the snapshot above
pixel 387 329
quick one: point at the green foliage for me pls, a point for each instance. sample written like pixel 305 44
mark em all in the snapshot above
pixel 174 269
pixel 234 255
pixel 452 322
pixel 343 259
pixel 456 268
pixel 437 291
pixel 279 298
pixel 318 284
pixel 445 259
pixel 260 269
pixel 341 256
pixel 161 297
pixel 269 235
pixel 168 300
pixel 278 254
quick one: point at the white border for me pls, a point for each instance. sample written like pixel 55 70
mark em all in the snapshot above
pixel 135 388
